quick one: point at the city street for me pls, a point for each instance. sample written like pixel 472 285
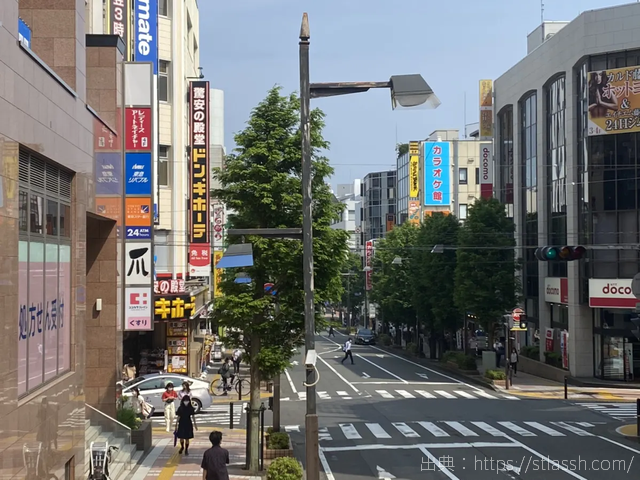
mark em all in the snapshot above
pixel 388 417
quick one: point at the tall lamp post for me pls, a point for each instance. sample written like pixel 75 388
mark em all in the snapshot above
pixel 406 91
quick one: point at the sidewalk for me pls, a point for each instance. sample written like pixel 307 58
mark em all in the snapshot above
pixel 164 462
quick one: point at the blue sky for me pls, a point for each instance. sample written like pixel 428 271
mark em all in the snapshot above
pixel 248 46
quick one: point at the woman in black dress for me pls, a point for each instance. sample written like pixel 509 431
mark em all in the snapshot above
pixel 185 423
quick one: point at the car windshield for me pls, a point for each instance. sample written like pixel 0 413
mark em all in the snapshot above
pixel 364 332
pixel 128 383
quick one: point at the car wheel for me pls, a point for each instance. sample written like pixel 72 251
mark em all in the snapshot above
pixel 197 405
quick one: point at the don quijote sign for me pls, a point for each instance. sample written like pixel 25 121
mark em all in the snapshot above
pixel 611 293
pixel 169 287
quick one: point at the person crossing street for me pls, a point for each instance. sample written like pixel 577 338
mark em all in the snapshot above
pixel 346 348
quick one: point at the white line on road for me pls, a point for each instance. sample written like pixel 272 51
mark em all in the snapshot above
pixel 338 375
pixel 572 429
pixel 484 394
pixel 384 394
pixel 425 394
pixel 457 426
pixel 293 387
pixel 377 446
pixel 406 430
pixel 365 375
pixel 519 430
pixel 349 431
pixel 423 375
pixel 433 429
pixel 444 394
pixel 545 429
pixel 302 395
pixel 342 393
pixel 377 430
pixel 433 460
pixel 405 383
pixel 405 394
pixel 324 395
pixel 489 429
pixel 383 369
pixel 325 465
pixel 464 394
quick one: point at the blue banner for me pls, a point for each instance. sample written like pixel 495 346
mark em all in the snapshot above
pixel 108 173
pixel 138 233
pixel 145 23
pixel 24 33
pixel 138 174
pixel 437 174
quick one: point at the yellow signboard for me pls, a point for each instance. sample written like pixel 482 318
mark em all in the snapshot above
pixel 486 109
pixel 414 212
pixel 174 307
pixel 614 100
pixel 414 169
pixel 217 274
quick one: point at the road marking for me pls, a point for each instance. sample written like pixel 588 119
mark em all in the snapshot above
pixel 323 434
pixel 383 474
pixel 342 393
pixel 436 462
pixel 324 395
pixel 379 355
pixel 484 394
pixel 462 429
pixel 405 394
pixel 444 394
pixel 545 429
pixel 519 430
pixel 510 397
pixel 364 375
pixel 406 430
pixel 302 395
pixel 572 429
pixel 464 394
pixel 292 428
pixel 338 374
pixel 377 430
pixel 285 399
pixel 585 424
pixel 444 446
pixel 425 394
pixel 293 387
pixel 433 429
pixel 510 468
pixel 382 368
pixel 350 431
pixel 325 465
pixel 384 394
pixel 422 375
pixel 620 445
pixel 489 429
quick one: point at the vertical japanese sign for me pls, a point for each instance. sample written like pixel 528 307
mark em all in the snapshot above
pixel 414 212
pixel 486 109
pixel 199 228
pixel 614 100
pixel 414 169
pixel 437 179
pixel 119 22
pixel 486 170
pixel 137 264
pixel 217 272
pixel 218 223
pixel 369 263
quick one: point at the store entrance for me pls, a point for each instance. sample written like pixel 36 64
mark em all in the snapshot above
pixel 620 358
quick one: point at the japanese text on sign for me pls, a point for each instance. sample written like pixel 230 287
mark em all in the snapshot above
pixel 614 101
pixel 37 318
pixel 169 286
pixel 173 308
pixel 437 191
pixel 138 128
pixel 119 16
pixel 199 167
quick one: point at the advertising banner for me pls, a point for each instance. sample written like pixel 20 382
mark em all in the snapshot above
pixel 104 139
pixel 414 169
pixel 217 255
pixel 23 301
pixel 486 170
pixel 437 176
pixel 138 218
pixel 145 23
pixel 138 310
pixel 24 34
pixel 50 325
pixel 611 293
pixel 169 286
pixel 369 263
pixel 414 212
pixel 119 19
pixel 391 221
pixel 138 264
pixel 548 340
pixel 108 173
pixel 179 307
pixel 218 223
pixel 486 109
pixel 199 207
pixel 614 100
pixel 564 348
pixel 556 290
pixel 138 174
pixel 138 128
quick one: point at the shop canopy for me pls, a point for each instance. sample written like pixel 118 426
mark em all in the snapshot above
pixel 237 256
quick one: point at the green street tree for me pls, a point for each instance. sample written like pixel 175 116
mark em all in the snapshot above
pixel 434 278
pixel 353 284
pixel 486 281
pixel 402 148
pixel 261 184
pixel 392 289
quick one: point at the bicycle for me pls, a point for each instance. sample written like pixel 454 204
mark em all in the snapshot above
pixel 241 385
pixel 101 457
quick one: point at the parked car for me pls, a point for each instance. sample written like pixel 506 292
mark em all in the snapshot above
pixel 153 386
pixel 364 336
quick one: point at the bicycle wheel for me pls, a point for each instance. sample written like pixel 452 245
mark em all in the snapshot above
pixel 243 386
pixel 216 387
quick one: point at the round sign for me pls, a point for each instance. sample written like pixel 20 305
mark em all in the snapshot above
pixel 517 313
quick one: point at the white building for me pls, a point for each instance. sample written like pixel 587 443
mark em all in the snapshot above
pixel 350 218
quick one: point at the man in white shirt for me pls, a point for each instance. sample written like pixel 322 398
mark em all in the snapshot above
pixel 346 348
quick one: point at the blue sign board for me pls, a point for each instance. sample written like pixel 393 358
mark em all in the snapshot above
pixel 138 174
pixel 108 173
pixel 138 233
pixel 24 33
pixel 437 174
pixel 145 23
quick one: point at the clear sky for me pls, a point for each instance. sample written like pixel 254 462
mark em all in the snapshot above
pixel 248 46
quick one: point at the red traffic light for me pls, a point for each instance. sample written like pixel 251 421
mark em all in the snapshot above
pixel 570 253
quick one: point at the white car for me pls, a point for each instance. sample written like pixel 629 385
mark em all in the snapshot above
pixel 153 386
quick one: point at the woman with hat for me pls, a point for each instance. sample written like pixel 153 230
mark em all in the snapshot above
pixel 168 398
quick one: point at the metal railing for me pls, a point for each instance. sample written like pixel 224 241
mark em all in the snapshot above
pixel 111 426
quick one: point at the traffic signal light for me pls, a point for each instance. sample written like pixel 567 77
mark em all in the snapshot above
pixel 567 253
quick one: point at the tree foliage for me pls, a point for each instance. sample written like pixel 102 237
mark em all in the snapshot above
pixel 261 185
pixel 353 284
pixel 402 148
pixel 485 280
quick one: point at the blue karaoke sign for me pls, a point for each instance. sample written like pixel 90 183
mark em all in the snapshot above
pixel 437 174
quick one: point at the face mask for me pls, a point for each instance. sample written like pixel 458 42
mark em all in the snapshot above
pixel 185 403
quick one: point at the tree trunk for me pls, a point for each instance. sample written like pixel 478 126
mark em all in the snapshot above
pixel 253 423
pixel 276 403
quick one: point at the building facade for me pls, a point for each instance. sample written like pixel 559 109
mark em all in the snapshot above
pixel 378 204
pixel 349 195
pixel 567 169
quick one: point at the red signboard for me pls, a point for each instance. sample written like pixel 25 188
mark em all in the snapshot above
pixel 199 255
pixel 369 262
pixel 138 129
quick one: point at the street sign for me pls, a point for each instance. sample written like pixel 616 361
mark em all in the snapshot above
pixel 635 285
pixel 519 320
pixel 516 314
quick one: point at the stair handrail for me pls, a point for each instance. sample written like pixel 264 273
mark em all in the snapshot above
pixel 108 417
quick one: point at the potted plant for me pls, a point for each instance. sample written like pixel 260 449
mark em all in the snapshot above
pixel 141 431
pixel 278 444
pixel 497 377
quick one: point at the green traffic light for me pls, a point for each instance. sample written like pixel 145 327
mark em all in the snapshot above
pixel 551 254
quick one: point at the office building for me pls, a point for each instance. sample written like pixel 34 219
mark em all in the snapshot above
pixel 349 195
pixel 378 204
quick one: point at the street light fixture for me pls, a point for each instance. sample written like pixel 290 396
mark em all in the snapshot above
pixel 406 91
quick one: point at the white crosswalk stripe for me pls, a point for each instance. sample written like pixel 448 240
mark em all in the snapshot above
pixel 444 394
pixel 372 432
pixel 425 394
pixel 404 394
pixel 408 395
pixel 384 394
pixel 618 411
pixel 464 394
pixel 214 415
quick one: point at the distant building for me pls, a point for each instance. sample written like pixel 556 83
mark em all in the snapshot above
pixel 349 221
pixel 378 204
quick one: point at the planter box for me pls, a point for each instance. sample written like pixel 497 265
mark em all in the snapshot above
pixel 271 454
pixel 142 438
pixel 499 383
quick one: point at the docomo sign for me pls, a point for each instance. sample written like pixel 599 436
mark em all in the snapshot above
pixel 368 261
pixel 486 170
pixel 611 293
pixel 556 290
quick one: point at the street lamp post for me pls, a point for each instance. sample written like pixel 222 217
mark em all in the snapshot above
pixel 406 91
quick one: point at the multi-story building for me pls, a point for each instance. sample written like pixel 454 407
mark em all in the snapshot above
pixel 450 182
pixel 378 204
pixel 566 166
pixel 349 195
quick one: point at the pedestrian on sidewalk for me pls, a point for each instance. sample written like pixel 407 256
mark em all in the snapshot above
pixel 168 398
pixel 215 460
pixel 514 361
pixel 185 424
pixel 331 332
pixel 186 390
pixel 237 358
pixel 346 348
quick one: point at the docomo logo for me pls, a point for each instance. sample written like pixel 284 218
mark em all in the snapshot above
pixel 486 159
pixel 144 29
pixel 553 291
pixel 615 289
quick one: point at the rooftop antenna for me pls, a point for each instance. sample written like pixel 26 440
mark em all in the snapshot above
pixel 542 11
pixel 465 114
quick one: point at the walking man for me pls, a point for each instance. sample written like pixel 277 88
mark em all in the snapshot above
pixel 346 348
pixel 215 460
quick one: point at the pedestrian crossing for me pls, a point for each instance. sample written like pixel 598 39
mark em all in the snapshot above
pixel 618 411
pixel 214 415
pixel 450 429
pixel 405 394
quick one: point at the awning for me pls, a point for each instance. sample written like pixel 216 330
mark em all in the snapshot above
pixel 236 256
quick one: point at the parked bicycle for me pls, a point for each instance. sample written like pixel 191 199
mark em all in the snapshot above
pixel 101 456
pixel 240 385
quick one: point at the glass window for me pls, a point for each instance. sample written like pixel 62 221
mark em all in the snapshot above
pixel 462 176
pixel 352 215
pixel 164 74
pixel 462 211
pixel 375 182
pixel 37 214
pixel 505 158
pixel 477 176
pixel 163 166
pixel 164 8
pixel 52 218
pixel 65 220
pixel 23 211
pixel 153 384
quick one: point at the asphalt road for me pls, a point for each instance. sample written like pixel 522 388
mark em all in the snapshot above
pixel 388 417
